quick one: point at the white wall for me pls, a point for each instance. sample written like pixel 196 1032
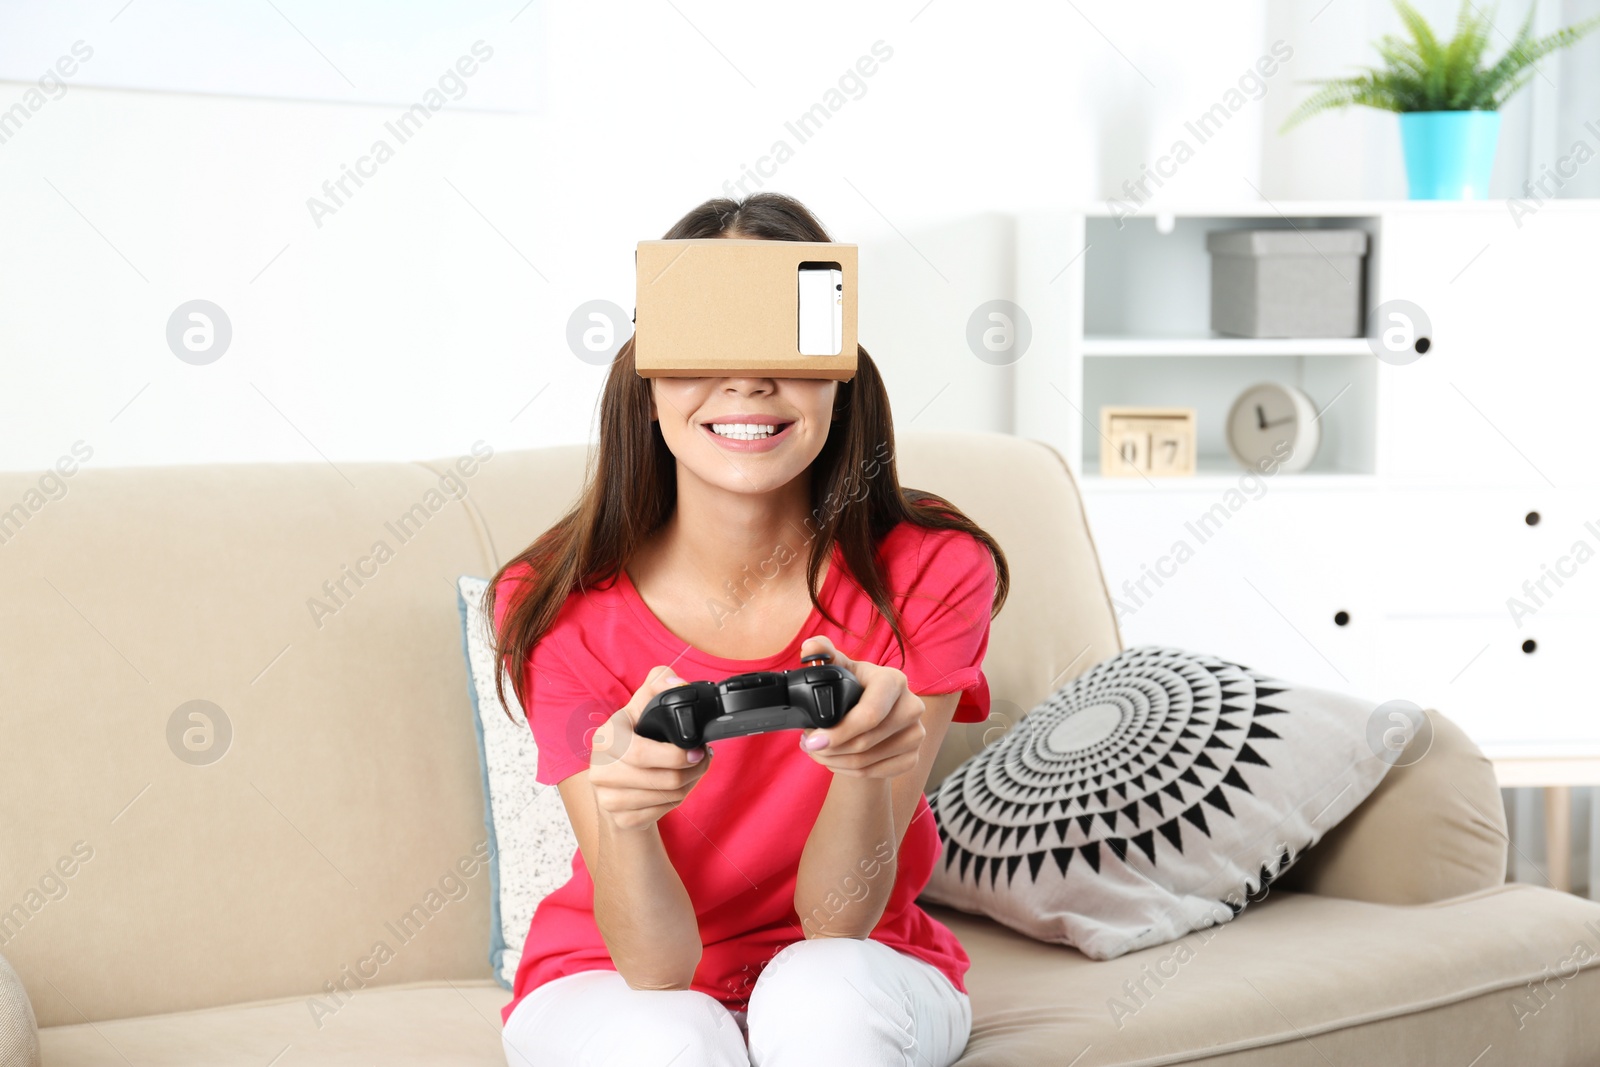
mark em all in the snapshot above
pixel 408 326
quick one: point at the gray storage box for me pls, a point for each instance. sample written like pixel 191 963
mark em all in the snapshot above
pixel 1286 283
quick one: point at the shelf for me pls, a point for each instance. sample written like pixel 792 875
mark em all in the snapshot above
pixel 1304 209
pixel 1250 209
pixel 1214 475
pixel 1104 345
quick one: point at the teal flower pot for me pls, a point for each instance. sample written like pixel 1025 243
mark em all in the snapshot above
pixel 1449 154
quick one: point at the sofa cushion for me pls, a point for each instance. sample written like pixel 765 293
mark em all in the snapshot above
pixel 347 802
pixel 531 843
pixel 1298 981
pixel 1303 980
pixel 1153 795
pixel 423 1024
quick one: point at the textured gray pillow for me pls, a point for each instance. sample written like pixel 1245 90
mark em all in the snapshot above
pixel 19 1031
pixel 1154 795
pixel 531 843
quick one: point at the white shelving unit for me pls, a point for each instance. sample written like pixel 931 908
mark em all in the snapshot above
pixel 1224 346
pixel 1440 487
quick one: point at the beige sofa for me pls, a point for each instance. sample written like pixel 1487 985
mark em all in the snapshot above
pixel 214 909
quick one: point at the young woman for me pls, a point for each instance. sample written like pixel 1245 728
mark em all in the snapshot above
pixel 754 906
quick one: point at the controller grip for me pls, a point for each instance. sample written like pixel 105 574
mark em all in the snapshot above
pixel 675 715
pixel 654 724
pixel 828 692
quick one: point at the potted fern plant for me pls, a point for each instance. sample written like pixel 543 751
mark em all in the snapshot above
pixel 1447 95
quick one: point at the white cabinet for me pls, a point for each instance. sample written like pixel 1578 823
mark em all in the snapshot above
pixel 1225 570
pixel 1501 684
pixel 1446 548
pixel 1464 551
pixel 1508 391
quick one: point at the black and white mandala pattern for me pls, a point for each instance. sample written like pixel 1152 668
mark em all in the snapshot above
pixel 1145 751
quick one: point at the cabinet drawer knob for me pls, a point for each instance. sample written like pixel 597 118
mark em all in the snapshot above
pixel 1529 645
pixel 1531 518
pixel 1340 618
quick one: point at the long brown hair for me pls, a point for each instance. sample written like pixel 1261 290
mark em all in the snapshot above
pixel 630 485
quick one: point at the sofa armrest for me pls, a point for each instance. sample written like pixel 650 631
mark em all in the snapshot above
pixel 19 1031
pixel 1433 829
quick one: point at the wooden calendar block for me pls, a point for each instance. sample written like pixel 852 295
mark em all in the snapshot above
pixel 1148 441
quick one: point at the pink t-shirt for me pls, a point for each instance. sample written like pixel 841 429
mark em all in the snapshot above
pixel 736 839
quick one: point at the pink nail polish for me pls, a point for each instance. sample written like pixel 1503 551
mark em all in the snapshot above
pixel 815 742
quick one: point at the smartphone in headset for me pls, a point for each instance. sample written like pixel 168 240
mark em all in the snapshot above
pixel 821 309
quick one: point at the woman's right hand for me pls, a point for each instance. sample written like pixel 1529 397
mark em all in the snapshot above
pixel 636 780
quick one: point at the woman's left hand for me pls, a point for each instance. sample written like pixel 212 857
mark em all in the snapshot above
pixel 881 737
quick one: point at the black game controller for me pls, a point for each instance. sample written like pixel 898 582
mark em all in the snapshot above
pixel 755 703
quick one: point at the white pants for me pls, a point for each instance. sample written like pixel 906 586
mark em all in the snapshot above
pixel 835 1001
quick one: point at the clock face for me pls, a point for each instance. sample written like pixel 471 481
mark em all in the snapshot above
pixel 1273 426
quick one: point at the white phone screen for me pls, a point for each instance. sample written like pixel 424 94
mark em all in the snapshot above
pixel 821 318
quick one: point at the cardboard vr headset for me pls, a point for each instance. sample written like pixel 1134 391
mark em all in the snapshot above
pixel 713 307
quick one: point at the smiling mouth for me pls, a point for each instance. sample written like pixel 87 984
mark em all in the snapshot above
pixel 741 431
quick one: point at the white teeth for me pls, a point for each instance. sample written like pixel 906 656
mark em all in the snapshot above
pixel 742 431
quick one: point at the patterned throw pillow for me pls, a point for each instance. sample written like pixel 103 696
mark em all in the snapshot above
pixel 19 1031
pixel 1152 796
pixel 531 843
